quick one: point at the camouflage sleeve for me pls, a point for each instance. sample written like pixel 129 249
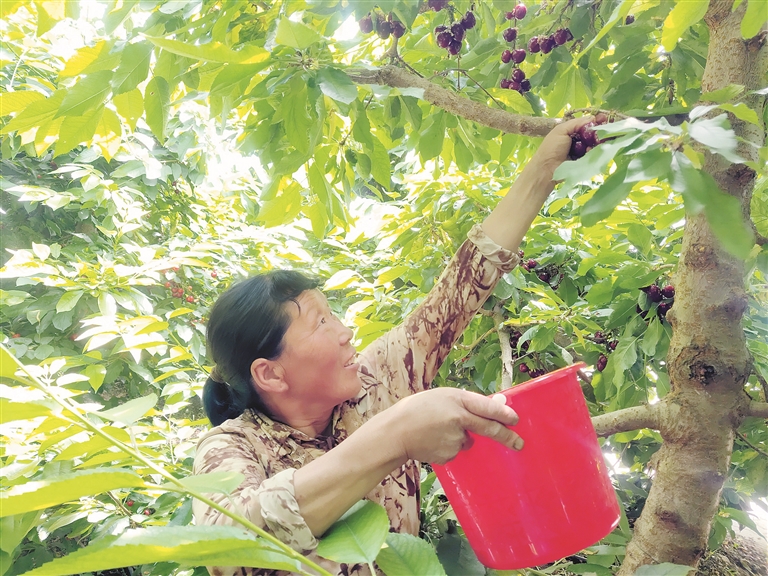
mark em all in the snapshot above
pixel 407 358
pixel 277 510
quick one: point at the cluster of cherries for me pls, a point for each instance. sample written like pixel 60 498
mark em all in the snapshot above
pixel 545 44
pixel 517 80
pixel 177 290
pixel 451 37
pixel 600 338
pixel 586 138
pixel 385 25
pixel 147 511
pixel 664 297
pixel 535 373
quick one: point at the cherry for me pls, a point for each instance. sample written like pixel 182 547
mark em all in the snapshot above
pixel 469 21
pixel 190 298
pixel 510 34
pixel 444 39
pixel 214 274
pixel 398 29
pixel 439 29
pixel 523 367
pixel 599 337
pixel 630 18
pixel 167 284
pixel 518 55
pixel 458 32
pixel 547 44
pixel 454 48
pixel 544 276
pixel 664 308
pixel 520 253
pixel 561 37
pixel 175 269
pixel 640 311
pixel 578 149
pixel 668 291
pixel 532 264
pixel 385 29
pixel 602 362
pixel 148 511
pixel 506 56
pixel 73 337
pixel 518 75
pixel 612 344
pixel 654 293
pixel 514 85
pixel 509 15
pixel 366 24
pixel 129 503
pixel 525 85
pixel 437 5
pixel 504 81
pixel 588 134
pixel 520 11
pixel 16 335
pixel 533 45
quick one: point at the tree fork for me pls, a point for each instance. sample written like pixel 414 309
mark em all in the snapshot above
pixel 455 103
pixel 708 361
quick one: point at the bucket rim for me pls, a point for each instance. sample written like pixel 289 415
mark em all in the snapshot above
pixel 545 379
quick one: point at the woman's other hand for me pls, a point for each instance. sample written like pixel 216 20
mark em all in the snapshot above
pixel 554 150
pixel 432 426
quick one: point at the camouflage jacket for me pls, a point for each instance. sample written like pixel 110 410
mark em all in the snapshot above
pixel 402 362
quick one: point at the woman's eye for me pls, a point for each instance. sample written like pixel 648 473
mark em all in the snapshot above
pixel 322 320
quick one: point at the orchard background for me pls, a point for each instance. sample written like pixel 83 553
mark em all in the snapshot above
pixel 154 152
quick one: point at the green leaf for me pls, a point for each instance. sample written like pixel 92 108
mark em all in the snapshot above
pixel 652 164
pixel 231 76
pixel 157 101
pixel 12 411
pixel 641 237
pixel 212 52
pixel 131 411
pixel 664 569
pixel 613 191
pixel 431 140
pixel 651 337
pixel 623 358
pixel 95 374
pixel 44 493
pixel 457 557
pixel 130 105
pixel 187 545
pixel 717 134
pixel 593 162
pixel 357 536
pixel 381 168
pixel 76 130
pixel 461 153
pixel 742 112
pixel 337 85
pixel 685 14
pixel 14 528
pixel 754 18
pixel 36 114
pixel 295 34
pixel 221 482
pixel 134 67
pixel 297 121
pixel 723 94
pixel 407 555
pixel 90 92
pixel 11 102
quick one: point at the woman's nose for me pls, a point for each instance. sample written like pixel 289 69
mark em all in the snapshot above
pixel 346 334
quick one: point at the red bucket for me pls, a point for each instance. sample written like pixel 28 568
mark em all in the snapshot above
pixel 542 503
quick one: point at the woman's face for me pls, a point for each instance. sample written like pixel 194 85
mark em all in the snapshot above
pixel 318 358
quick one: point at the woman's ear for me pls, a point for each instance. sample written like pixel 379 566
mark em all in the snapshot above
pixel 268 376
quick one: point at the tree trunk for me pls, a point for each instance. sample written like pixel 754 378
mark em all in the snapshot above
pixel 708 361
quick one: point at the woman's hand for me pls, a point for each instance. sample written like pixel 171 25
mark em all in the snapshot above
pixel 556 145
pixel 432 426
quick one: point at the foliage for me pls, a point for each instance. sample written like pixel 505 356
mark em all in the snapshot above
pixel 165 148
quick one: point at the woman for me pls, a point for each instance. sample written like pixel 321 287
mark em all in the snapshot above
pixel 314 427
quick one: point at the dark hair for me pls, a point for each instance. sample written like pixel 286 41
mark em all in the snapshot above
pixel 247 322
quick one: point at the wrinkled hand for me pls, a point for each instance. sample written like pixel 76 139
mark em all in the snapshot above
pixel 432 426
pixel 556 145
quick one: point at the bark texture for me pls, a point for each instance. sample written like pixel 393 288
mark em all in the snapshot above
pixel 708 361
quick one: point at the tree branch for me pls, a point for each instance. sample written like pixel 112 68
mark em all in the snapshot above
pixel 748 443
pixel 634 418
pixel 757 409
pixel 760 240
pixel 455 103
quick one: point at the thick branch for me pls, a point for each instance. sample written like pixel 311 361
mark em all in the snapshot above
pixel 757 409
pixel 634 418
pixel 455 103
